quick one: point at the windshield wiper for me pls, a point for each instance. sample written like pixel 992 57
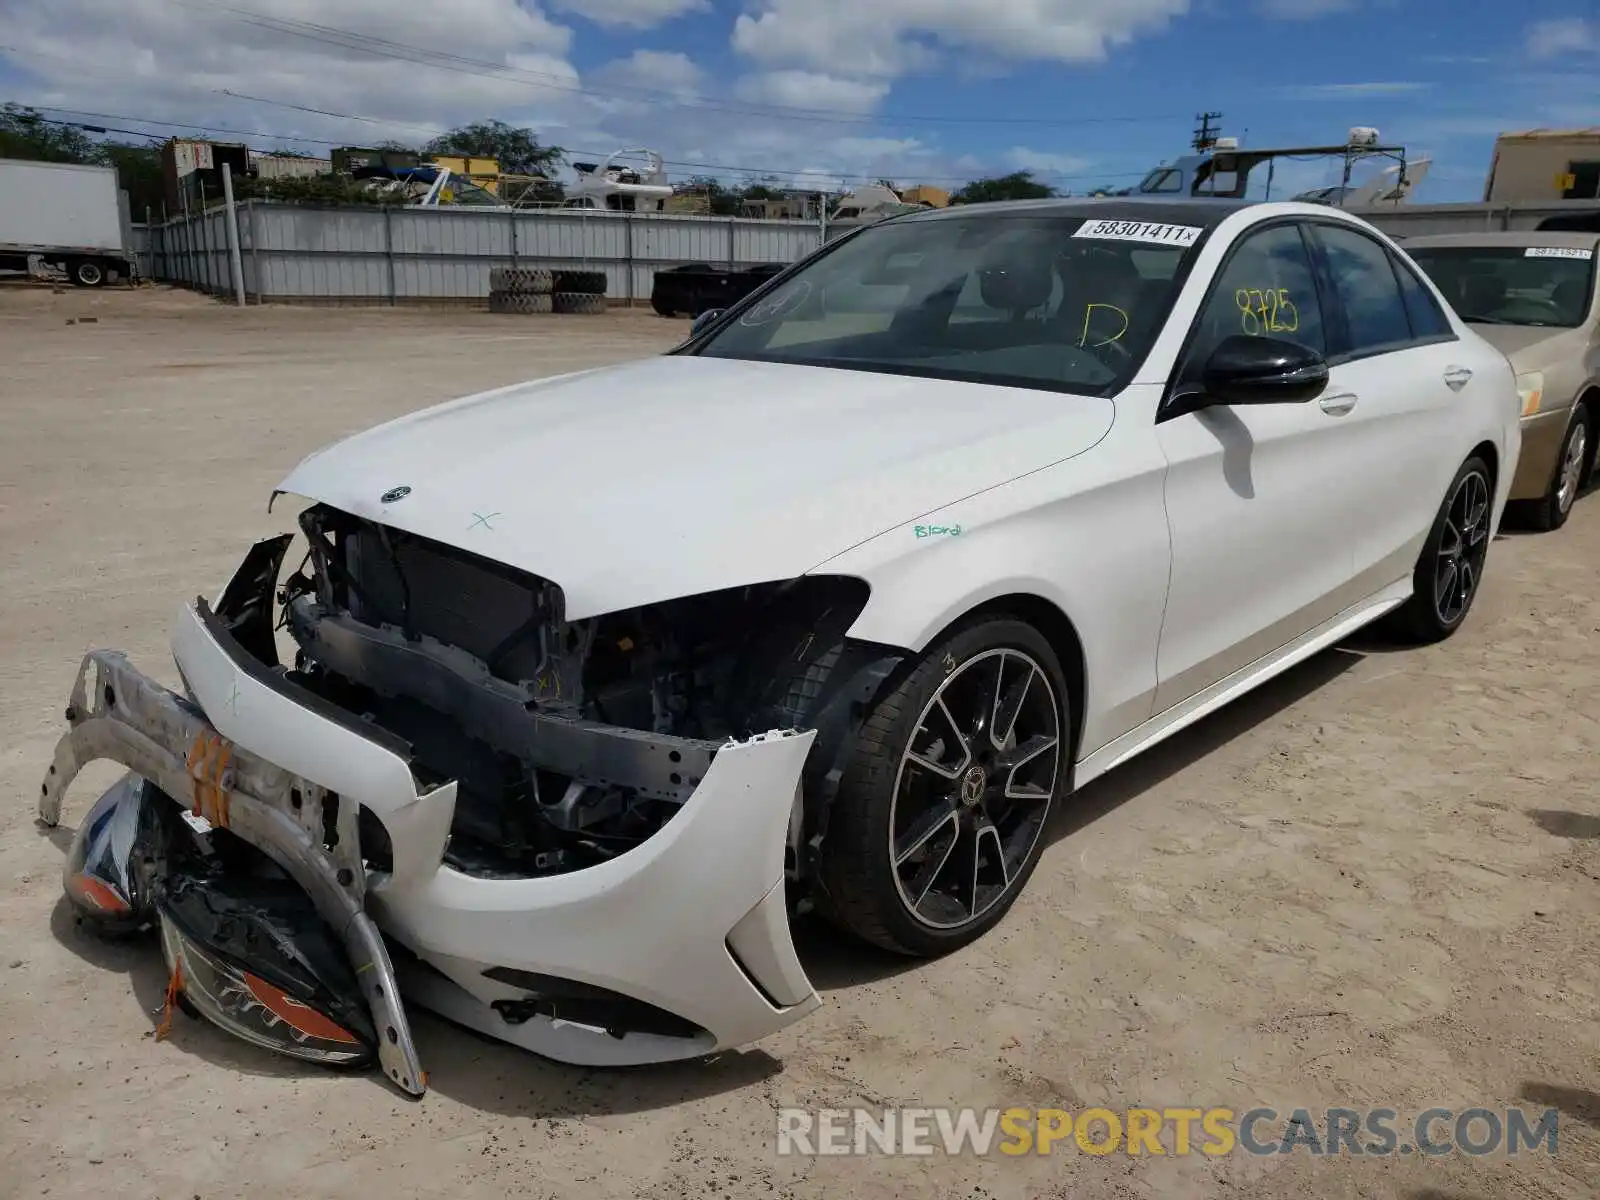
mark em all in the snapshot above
pixel 1477 320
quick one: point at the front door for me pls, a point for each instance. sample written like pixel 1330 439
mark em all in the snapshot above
pixel 1258 496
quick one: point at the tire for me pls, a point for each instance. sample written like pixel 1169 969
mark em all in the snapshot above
pixel 661 309
pixel 534 281
pixel 519 302
pixel 1567 480
pixel 86 272
pixel 579 302
pixel 917 908
pixel 587 283
pixel 1438 606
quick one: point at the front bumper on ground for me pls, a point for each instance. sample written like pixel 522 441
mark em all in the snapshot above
pixel 692 922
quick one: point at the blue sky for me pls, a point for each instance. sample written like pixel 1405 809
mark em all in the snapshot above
pixel 1083 92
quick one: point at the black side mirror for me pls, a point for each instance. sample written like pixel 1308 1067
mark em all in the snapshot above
pixel 704 320
pixel 1263 370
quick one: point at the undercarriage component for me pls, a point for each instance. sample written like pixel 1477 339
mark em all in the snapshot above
pixel 451 681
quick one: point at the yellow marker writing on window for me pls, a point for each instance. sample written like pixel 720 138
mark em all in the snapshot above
pixel 1088 315
pixel 1266 310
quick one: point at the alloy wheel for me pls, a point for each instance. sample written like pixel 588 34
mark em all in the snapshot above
pixel 1462 548
pixel 1571 477
pixel 974 787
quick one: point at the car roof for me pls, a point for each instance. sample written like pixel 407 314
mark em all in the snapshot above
pixel 1514 239
pixel 1203 212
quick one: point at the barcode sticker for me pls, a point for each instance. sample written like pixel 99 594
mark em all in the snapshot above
pixel 1558 252
pixel 1140 231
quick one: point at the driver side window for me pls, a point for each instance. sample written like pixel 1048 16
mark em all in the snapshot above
pixel 1266 289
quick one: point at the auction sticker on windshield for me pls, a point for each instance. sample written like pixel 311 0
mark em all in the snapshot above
pixel 1558 252
pixel 1140 231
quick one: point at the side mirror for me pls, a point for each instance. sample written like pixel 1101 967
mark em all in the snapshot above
pixel 704 320
pixel 1263 370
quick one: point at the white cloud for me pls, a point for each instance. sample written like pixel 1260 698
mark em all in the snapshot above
pixel 1563 35
pixel 811 89
pixel 630 14
pixel 886 38
pixel 1340 91
pixel 652 70
pixel 1046 162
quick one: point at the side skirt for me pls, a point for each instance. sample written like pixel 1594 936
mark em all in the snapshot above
pixel 1186 712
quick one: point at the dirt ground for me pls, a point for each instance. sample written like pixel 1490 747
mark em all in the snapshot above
pixel 1374 883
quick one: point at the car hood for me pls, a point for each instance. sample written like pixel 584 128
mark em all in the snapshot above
pixel 1529 347
pixel 678 475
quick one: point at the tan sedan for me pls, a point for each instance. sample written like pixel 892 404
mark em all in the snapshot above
pixel 1532 295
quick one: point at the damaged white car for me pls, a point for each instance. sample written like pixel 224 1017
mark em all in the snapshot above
pixel 587 683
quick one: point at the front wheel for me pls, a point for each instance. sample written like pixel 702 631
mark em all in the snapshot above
pixel 1552 510
pixel 1450 568
pixel 940 814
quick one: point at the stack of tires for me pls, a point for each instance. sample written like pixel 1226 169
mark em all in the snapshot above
pixel 521 290
pixel 580 292
pixel 540 290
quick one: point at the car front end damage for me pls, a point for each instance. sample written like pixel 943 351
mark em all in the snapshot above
pixel 583 838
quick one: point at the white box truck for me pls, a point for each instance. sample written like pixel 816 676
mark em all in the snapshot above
pixel 65 215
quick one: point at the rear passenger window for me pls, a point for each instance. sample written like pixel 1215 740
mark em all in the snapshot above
pixel 1375 312
pixel 1427 318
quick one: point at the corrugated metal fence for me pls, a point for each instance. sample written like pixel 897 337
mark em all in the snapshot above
pixel 443 255
pixel 409 255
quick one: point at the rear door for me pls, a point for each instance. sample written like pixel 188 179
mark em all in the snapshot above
pixel 1398 376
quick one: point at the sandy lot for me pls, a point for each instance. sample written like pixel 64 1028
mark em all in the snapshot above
pixel 1376 883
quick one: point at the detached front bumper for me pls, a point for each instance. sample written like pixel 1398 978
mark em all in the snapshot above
pixel 689 928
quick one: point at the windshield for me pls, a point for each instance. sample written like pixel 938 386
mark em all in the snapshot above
pixel 1046 302
pixel 1512 285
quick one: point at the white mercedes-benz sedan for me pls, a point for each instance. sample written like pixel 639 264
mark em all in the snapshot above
pixel 584 685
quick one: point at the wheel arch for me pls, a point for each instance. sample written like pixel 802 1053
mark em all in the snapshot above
pixel 1589 398
pixel 1058 629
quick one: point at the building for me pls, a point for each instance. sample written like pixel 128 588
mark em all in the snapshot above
pixel 1541 165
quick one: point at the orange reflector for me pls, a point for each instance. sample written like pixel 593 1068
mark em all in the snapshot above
pixel 98 894
pixel 303 1017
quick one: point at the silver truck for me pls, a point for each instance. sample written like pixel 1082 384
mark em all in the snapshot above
pixel 65 215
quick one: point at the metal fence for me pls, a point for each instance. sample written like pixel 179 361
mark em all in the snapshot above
pixel 409 255
pixel 443 255
pixel 1414 220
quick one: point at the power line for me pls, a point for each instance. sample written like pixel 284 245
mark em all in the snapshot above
pixel 444 60
pixel 683 163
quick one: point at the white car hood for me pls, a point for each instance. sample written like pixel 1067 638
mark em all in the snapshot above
pixel 678 475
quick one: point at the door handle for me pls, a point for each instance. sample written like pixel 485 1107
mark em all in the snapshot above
pixel 1337 406
pixel 1457 377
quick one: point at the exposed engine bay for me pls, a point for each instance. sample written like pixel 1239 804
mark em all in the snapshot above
pixel 570 743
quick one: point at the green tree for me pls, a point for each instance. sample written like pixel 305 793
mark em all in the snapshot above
pixel 518 151
pixel 1019 185
pixel 25 133
pixel 138 172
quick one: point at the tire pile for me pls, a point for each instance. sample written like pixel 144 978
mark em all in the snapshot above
pixel 540 290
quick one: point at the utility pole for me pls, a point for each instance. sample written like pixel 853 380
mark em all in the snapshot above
pixel 1205 137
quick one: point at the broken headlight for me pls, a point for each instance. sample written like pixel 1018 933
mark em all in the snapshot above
pixel 107 876
pixel 250 954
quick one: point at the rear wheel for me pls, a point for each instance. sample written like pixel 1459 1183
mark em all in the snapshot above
pixel 1450 568
pixel 939 818
pixel 1553 509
